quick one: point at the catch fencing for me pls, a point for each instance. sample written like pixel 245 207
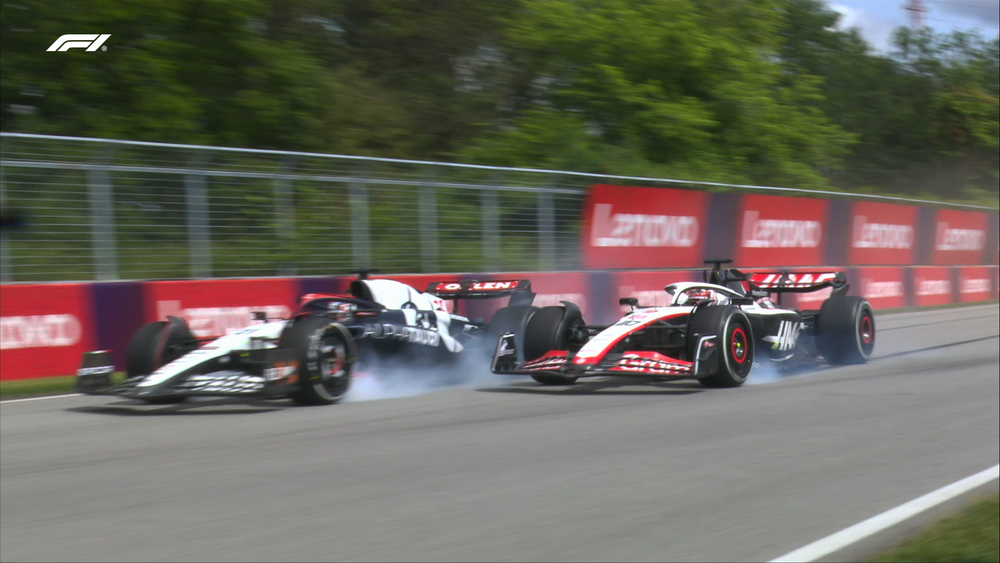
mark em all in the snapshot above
pixel 103 210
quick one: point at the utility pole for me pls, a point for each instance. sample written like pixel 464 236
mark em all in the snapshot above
pixel 917 10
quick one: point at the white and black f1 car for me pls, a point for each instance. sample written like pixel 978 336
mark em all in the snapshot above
pixel 714 331
pixel 310 357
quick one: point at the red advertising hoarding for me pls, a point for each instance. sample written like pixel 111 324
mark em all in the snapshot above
pixel 219 307
pixel 630 227
pixel 975 283
pixel 932 285
pixel 882 234
pixel 549 289
pixel 959 237
pixel 884 288
pixel 44 329
pixel 781 231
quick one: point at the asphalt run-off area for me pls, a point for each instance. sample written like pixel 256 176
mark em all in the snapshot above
pixel 507 470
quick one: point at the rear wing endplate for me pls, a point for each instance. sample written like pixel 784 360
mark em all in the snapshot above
pixel 474 289
pixel 798 282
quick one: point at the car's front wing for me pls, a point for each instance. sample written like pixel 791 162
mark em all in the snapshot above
pixel 260 374
pixel 630 363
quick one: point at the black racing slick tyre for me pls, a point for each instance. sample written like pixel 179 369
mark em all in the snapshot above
pixel 508 319
pixel 845 330
pixel 157 344
pixel 551 328
pixel 325 360
pixel 734 344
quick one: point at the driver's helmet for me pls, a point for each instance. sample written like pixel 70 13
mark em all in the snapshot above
pixel 699 296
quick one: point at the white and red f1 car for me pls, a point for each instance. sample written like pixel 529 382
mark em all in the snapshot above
pixel 714 331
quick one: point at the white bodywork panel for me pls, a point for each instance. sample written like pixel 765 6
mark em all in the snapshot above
pixel 239 340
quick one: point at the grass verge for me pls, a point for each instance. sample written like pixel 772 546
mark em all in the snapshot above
pixel 972 535
pixel 43 386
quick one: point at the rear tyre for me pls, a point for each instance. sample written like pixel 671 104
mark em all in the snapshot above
pixel 157 344
pixel 552 328
pixel 324 360
pixel 508 319
pixel 733 342
pixel 845 330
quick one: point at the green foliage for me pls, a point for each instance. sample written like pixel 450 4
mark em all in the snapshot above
pixel 763 91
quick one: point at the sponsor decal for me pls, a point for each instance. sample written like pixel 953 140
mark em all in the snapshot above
pixel 952 239
pixel 882 289
pixel 411 334
pixel 641 227
pixel 793 280
pixel 638 363
pixel 89 41
pixel 39 331
pixel 780 233
pixel 881 235
pixel 933 287
pixel 99 370
pixel 640 230
pixel 979 285
pixel 788 335
pixel 281 370
pixel 960 237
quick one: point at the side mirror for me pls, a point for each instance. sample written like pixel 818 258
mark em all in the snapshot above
pixel 258 316
pixel 628 302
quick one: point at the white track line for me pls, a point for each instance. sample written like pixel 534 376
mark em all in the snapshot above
pixel 40 398
pixel 888 518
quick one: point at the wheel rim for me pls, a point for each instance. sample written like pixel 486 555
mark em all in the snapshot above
pixel 333 367
pixel 738 345
pixel 866 332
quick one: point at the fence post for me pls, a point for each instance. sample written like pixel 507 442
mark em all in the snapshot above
pixel 361 239
pixel 491 228
pixel 285 217
pixel 102 216
pixel 546 230
pixel 429 250
pixel 6 260
pixel 199 236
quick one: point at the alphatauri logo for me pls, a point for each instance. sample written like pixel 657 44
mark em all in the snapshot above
pixel 88 41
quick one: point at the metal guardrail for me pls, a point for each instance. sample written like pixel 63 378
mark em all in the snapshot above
pixel 103 209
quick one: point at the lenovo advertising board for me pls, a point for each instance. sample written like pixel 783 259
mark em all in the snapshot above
pixel 631 227
pixel 781 231
pixel 219 307
pixel 960 238
pixel 44 329
pixel 883 287
pixel 975 283
pixel 932 285
pixel 882 234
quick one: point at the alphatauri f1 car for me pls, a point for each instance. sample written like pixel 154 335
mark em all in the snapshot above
pixel 310 356
pixel 714 331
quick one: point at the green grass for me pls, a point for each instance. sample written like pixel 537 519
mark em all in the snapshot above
pixel 973 535
pixel 42 386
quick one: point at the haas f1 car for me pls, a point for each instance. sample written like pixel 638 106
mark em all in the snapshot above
pixel 714 331
pixel 311 356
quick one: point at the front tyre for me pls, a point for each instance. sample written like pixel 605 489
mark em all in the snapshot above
pixel 324 358
pixel 552 328
pixel 156 344
pixel 734 343
pixel 845 330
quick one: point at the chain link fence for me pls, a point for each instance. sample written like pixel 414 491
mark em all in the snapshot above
pixel 100 209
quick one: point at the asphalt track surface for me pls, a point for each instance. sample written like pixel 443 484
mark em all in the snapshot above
pixel 516 472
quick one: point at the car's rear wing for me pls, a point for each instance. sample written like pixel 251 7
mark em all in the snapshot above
pixel 474 289
pixel 798 282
